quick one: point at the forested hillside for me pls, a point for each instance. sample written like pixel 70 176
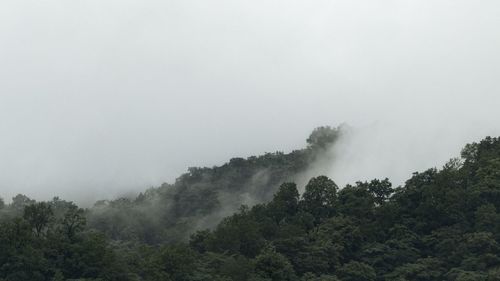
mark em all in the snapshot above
pixel 202 197
pixel 442 224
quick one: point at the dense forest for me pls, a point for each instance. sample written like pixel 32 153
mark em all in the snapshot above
pixel 247 220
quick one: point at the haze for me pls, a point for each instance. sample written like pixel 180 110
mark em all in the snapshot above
pixel 102 98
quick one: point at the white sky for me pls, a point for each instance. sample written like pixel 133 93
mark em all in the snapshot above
pixel 99 97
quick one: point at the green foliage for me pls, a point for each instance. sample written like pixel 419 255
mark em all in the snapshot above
pixel 422 270
pixel 202 197
pixel 319 198
pixel 237 234
pixel 322 137
pixel 38 216
pixel 356 271
pixel 285 202
pixel 73 221
pixel 20 201
pixel 440 225
pixel 312 277
pixel 271 265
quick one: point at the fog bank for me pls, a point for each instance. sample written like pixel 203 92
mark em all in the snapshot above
pixel 100 98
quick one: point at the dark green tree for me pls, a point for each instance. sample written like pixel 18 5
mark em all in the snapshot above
pixel 323 137
pixel 20 201
pixel 320 197
pixel 285 202
pixel 357 271
pixel 38 215
pixel 273 266
pixel 73 221
pixel 381 190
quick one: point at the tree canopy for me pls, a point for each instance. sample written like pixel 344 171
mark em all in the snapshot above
pixel 442 224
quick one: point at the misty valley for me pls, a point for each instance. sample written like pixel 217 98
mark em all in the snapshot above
pixel 260 219
pixel 185 140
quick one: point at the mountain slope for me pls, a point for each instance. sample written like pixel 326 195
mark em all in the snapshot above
pixel 203 196
pixel 442 224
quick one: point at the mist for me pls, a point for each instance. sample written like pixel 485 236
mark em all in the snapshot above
pixel 100 99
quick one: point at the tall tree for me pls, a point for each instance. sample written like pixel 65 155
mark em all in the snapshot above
pixel 38 215
pixel 320 197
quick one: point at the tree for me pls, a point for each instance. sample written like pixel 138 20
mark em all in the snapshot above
pixel 457 274
pixel 324 277
pixel 285 202
pixel 20 201
pixel 73 221
pixel 320 197
pixel 357 201
pixel 199 240
pixel 323 137
pixel 274 266
pixel 440 225
pixel 238 233
pixel 356 271
pixel 423 270
pixel 339 238
pixel 20 259
pixel 494 274
pixel 177 261
pixel 479 251
pixel 38 216
pixel 381 190
pixel 487 218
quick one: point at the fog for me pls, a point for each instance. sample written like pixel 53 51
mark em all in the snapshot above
pixel 103 98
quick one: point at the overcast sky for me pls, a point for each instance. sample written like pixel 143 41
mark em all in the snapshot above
pixel 100 97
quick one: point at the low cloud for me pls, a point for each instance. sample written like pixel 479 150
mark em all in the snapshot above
pixel 101 98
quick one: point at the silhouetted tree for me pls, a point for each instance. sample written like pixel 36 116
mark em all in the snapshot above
pixel 38 215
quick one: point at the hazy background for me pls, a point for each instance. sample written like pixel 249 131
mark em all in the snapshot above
pixel 99 98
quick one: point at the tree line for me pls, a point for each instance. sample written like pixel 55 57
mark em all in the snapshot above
pixel 442 224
